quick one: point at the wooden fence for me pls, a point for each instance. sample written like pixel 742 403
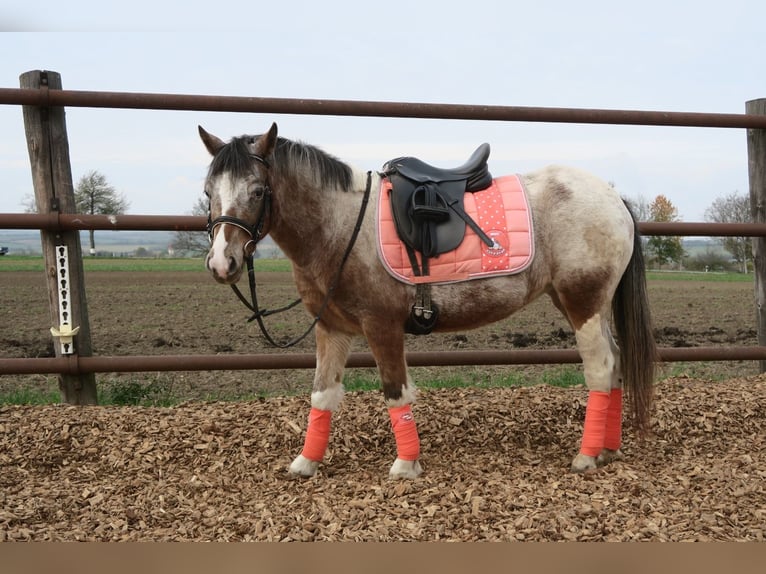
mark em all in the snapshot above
pixel 43 101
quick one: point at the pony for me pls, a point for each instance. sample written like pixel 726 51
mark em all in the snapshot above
pixel 587 259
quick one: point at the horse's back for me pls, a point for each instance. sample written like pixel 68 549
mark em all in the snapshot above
pixel 574 194
pixel 580 220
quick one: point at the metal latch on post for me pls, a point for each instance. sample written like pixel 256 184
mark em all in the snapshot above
pixel 64 333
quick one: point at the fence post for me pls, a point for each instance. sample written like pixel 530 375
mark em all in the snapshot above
pixel 756 161
pixel 52 180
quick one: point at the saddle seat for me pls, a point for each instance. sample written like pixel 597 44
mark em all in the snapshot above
pixel 427 201
pixel 475 171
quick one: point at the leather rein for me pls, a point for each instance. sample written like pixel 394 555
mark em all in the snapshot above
pixel 257 232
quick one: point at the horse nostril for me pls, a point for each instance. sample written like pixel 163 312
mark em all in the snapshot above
pixel 232 266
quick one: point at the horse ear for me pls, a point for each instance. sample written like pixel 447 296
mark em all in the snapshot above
pixel 265 144
pixel 212 143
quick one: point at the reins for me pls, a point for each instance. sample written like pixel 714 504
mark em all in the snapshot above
pixel 256 234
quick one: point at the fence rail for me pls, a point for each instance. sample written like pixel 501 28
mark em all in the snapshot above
pixel 73 221
pixel 76 364
pixel 41 91
pixel 204 103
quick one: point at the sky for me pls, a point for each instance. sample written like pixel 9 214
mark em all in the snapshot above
pixel 679 56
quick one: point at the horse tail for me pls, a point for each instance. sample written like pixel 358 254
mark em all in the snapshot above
pixel 633 324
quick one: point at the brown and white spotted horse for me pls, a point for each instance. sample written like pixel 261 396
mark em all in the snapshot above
pixel 587 259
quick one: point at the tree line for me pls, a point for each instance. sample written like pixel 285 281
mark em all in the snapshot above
pixel 668 251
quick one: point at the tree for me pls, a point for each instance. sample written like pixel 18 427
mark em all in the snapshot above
pixel 710 260
pixel 640 207
pixel 194 243
pixel 666 249
pixel 93 195
pixel 29 203
pixel 733 208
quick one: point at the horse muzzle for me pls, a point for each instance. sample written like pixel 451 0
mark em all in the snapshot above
pixel 226 263
pixel 225 269
pixel 228 254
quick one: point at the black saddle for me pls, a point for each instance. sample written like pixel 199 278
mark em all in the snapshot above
pixel 427 202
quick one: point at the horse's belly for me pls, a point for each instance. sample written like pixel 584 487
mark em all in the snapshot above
pixel 473 304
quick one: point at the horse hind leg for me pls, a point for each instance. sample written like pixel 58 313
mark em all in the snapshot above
pixel 613 436
pixel 327 395
pixel 603 377
pixel 600 364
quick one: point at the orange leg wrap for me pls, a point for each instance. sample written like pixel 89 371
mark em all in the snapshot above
pixel 317 435
pixel 405 432
pixel 594 429
pixel 613 438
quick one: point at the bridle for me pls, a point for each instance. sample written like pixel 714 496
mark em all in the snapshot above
pixel 255 231
pixel 258 231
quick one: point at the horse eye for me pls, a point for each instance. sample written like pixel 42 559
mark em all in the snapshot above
pixel 259 191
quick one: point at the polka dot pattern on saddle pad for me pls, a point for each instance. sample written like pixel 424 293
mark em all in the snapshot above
pixel 491 217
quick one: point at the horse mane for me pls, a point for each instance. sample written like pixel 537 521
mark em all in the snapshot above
pixel 331 171
pixel 289 157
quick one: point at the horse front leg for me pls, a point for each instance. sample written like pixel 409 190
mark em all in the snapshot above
pixel 387 346
pixel 327 395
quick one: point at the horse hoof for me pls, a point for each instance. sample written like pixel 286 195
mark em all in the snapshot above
pixel 302 466
pixel 583 463
pixel 406 469
pixel 608 455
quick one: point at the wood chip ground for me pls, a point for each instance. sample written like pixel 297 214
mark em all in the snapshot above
pixel 496 469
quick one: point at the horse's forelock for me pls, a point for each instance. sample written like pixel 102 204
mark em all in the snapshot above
pixel 232 158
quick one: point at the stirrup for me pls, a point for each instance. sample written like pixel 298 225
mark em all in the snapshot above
pixel 424 314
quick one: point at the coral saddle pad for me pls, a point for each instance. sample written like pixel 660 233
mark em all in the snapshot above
pixel 502 212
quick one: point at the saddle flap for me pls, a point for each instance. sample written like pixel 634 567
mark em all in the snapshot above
pixel 423 217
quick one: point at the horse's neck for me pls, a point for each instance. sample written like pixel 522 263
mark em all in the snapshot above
pixel 312 225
